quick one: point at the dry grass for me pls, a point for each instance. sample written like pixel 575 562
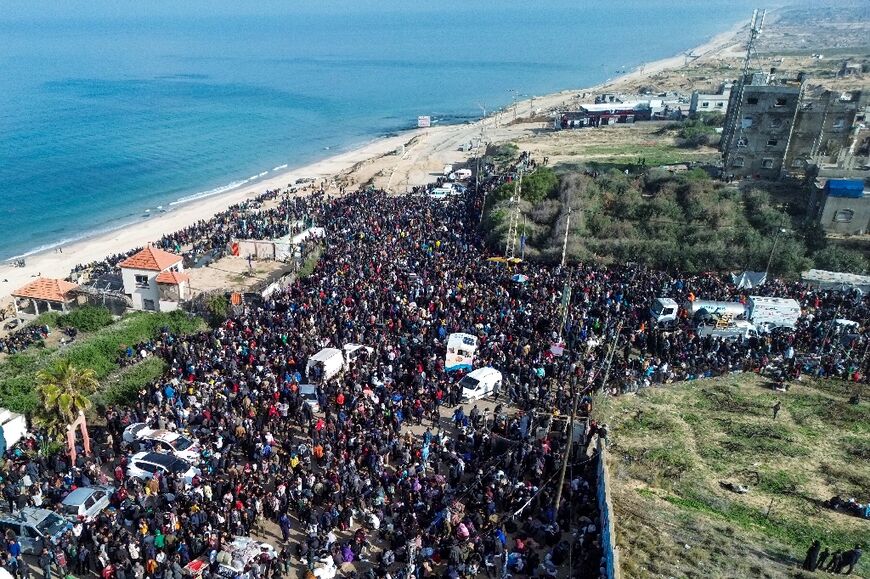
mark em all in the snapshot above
pixel 672 446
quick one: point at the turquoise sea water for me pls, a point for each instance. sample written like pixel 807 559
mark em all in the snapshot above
pixel 105 113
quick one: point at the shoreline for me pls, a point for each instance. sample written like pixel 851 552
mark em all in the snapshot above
pixel 442 139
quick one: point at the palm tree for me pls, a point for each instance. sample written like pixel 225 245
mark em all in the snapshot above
pixel 63 391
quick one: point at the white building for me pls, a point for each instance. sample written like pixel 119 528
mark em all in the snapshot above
pixel 154 280
pixel 710 102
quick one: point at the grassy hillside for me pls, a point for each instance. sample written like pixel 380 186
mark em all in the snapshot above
pixel 673 446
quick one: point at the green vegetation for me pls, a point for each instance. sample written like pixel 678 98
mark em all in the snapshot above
pixel 672 448
pixel 63 393
pixel 123 386
pixel 98 351
pixel 701 132
pixel 685 221
pixel 86 319
pixel 309 265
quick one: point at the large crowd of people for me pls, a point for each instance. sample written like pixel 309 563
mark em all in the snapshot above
pixel 391 472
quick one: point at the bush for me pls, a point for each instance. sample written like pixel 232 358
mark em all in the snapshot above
pixel 836 258
pixel 86 318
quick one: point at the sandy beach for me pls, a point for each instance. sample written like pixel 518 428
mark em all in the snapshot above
pixel 394 163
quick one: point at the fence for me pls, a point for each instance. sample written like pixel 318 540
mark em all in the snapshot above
pixel 608 524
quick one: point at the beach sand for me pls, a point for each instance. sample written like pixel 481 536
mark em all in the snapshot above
pixel 425 153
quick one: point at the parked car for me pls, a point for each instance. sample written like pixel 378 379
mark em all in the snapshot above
pixel 85 503
pixel 163 441
pixel 35 528
pixel 143 465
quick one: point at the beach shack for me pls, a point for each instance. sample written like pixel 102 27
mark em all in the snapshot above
pixel 154 280
pixel 43 295
pixel 460 352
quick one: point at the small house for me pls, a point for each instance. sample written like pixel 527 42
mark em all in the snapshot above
pixel 154 280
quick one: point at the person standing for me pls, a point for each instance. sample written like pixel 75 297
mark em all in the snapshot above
pixel 812 557
pixel 776 409
pixel 45 560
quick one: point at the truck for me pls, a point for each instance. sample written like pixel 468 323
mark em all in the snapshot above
pixel 664 310
pixel 332 361
pixel 768 313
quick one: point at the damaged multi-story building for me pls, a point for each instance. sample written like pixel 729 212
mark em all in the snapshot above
pixel 780 125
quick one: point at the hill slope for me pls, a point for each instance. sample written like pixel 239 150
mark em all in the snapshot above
pixel 672 447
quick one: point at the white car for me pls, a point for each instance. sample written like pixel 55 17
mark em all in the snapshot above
pixel 85 503
pixel 143 465
pixel 480 383
pixel 163 441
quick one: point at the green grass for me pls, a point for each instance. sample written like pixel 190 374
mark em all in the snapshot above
pixel 98 351
pixel 310 263
pixel 671 448
pixel 124 386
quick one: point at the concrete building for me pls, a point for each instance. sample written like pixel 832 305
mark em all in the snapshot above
pixel 43 295
pixel 710 102
pixel 154 280
pixel 761 113
pixel 842 206
pixel 829 130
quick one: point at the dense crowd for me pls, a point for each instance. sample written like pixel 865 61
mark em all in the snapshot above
pixel 382 475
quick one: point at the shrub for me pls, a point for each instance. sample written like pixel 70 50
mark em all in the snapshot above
pixel 837 258
pixel 86 318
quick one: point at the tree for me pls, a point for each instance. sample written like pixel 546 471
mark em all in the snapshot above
pixel 63 391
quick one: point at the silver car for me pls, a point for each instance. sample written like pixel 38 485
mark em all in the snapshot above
pixel 35 528
pixel 85 503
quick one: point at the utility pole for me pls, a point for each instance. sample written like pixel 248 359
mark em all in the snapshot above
pixel 480 143
pixel 610 354
pixel 565 241
pixel 567 453
pixel 510 247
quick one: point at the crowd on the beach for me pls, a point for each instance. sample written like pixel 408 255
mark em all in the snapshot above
pixel 391 472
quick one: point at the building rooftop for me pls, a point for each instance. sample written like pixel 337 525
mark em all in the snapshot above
pixel 152 259
pixel 172 277
pixel 43 288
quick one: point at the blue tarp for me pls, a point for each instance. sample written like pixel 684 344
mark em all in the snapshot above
pixel 852 188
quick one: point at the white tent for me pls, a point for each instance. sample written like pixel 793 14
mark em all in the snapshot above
pixel 748 279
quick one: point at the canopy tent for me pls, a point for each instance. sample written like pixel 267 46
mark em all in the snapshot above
pixel 749 279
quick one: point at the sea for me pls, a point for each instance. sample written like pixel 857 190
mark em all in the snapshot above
pixel 109 110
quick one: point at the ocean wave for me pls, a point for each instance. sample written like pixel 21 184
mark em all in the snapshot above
pixel 68 240
pixel 279 167
pixel 211 192
pixel 263 174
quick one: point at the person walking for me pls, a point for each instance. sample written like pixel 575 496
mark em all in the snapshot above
pixel 776 409
pixel 850 558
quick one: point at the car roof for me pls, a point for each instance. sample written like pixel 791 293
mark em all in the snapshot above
pixel 307 389
pixel 156 458
pixel 482 373
pixel 79 495
pixel 163 435
pixel 27 515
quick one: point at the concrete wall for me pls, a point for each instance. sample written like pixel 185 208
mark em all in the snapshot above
pixel 608 524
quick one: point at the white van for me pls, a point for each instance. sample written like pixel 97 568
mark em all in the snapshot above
pixel 773 312
pixel 14 426
pixel 330 362
pixel 480 383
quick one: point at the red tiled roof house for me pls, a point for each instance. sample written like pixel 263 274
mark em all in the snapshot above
pixel 43 295
pixel 154 280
